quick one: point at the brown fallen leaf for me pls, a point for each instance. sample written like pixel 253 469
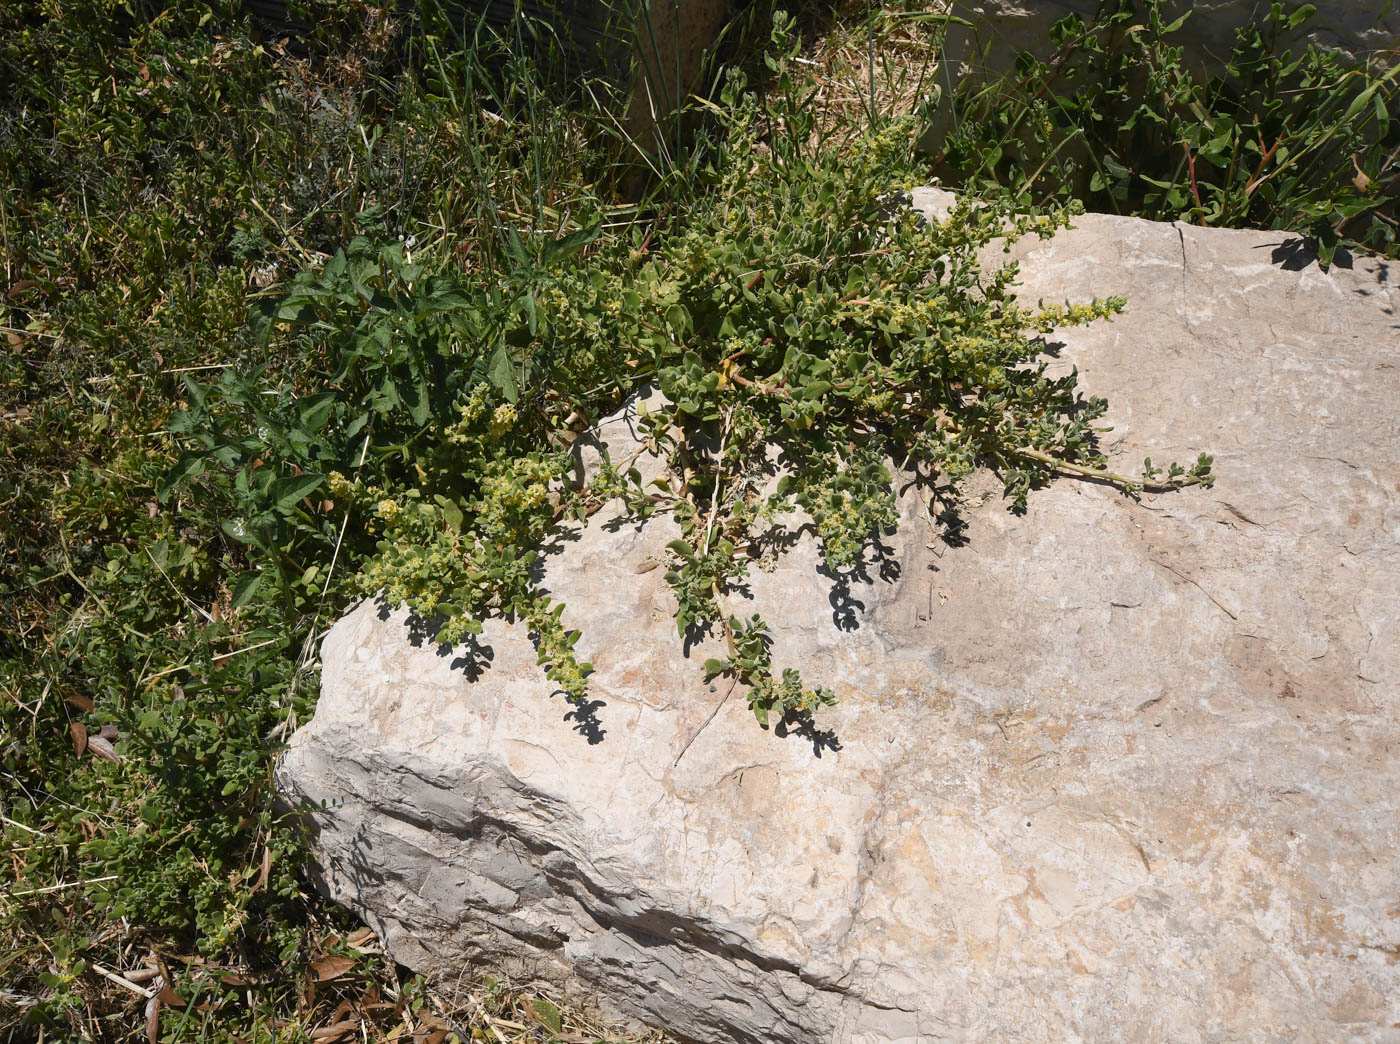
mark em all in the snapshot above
pixel 1362 181
pixel 20 289
pixel 170 998
pixel 360 937
pixel 81 702
pixel 108 732
pixel 336 1030
pixel 331 967
pixel 80 737
pixel 102 748
pixel 153 1021
pixel 264 870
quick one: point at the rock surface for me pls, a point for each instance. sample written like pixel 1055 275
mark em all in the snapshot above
pixel 1108 771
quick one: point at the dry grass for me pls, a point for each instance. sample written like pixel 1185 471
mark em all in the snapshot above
pixel 884 64
pixel 349 991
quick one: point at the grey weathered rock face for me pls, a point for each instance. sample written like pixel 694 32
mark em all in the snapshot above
pixel 1108 771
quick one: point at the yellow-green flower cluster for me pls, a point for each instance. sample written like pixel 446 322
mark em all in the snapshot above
pixel 1051 317
pixel 339 486
pixel 461 432
pixel 503 419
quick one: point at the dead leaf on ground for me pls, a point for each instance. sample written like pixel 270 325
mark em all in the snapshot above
pixel 360 937
pixel 331 967
pixel 81 702
pixel 264 870
pixel 153 1021
pixel 80 737
pixel 103 748
pixel 336 1030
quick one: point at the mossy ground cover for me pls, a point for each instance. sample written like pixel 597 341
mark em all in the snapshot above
pixel 290 321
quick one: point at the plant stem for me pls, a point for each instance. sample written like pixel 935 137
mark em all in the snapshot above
pixel 1104 475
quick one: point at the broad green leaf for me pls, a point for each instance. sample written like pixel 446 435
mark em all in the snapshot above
pixel 572 243
pixel 286 491
pixel 1301 15
pixel 190 465
pixel 312 412
pixel 502 373
pixel 678 319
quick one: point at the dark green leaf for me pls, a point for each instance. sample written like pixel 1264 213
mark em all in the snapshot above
pixel 190 465
pixel 502 374
pixel 245 587
pixel 286 491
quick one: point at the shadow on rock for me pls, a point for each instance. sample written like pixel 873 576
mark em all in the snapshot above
pixel 845 607
pixel 584 716
pixel 803 727
pixel 1294 255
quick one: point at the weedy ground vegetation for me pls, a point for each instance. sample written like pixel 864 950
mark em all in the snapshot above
pixel 292 322
pixel 1121 118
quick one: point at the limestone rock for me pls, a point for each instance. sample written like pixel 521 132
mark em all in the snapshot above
pixel 1112 770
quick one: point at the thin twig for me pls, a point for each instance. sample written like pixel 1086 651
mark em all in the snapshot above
pixel 719 482
pixel 112 976
pixel 11 822
pixel 61 886
pixel 223 656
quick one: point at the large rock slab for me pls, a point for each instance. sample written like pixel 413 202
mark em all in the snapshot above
pixel 1110 770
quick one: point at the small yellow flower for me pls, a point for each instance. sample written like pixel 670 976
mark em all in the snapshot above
pixel 503 418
